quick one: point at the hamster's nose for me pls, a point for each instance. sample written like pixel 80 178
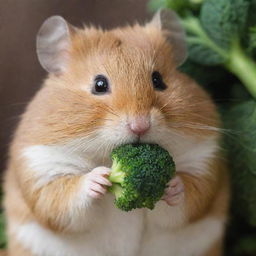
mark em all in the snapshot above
pixel 139 125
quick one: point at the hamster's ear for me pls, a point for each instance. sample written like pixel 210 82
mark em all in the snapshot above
pixel 169 22
pixel 52 44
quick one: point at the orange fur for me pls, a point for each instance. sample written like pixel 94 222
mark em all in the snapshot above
pixel 207 193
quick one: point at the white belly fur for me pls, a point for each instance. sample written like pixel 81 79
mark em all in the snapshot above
pixel 136 233
pixel 116 233
pixel 192 240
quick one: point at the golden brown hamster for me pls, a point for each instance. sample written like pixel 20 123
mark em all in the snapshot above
pixel 104 89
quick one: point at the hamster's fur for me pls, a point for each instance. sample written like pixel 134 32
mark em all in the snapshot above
pixel 67 132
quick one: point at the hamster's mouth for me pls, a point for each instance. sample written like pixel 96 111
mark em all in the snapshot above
pixel 140 140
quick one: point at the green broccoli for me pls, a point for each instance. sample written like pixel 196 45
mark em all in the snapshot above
pixel 139 175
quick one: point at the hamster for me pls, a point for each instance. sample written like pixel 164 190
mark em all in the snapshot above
pixel 104 89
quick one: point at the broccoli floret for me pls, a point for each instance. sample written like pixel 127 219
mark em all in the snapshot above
pixel 139 175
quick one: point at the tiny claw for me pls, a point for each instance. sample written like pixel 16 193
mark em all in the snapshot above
pixel 175 192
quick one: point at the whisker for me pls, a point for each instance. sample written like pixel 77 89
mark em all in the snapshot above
pixel 109 110
pixel 193 115
pixel 199 126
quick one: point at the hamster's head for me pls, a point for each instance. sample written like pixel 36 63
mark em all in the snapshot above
pixel 122 86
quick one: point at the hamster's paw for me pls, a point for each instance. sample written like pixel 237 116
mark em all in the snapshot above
pixel 175 191
pixel 96 182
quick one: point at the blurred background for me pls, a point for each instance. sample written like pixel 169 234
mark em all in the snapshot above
pixel 20 72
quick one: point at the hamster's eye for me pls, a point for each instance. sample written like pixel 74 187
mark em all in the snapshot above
pixel 157 81
pixel 101 85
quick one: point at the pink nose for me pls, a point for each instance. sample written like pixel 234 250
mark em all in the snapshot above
pixel 139 125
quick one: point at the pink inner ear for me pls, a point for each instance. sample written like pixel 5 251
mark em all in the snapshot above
pixel 156 20
pixel 53 42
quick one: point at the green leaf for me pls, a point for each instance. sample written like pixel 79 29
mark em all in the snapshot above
pixel 224 20
pixel 202 49
pixel 251 14
pixel 202 54
pixel 252 39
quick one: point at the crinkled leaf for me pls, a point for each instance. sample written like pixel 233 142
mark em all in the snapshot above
pixel 202 54
pixel 224 20
pixel 252 40
pixel 251 14
pixel 182 7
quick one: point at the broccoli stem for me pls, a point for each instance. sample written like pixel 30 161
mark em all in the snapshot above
pixel 243 67
pixel 237 62
pixel 116 175
pixel 116 189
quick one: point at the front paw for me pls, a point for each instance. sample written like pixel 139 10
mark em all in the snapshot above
pixel 96 182
pixel 174 193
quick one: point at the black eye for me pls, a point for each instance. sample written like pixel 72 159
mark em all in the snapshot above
pixel 101 85
pixel 157 81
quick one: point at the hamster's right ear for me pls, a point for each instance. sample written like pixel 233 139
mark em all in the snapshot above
pixel 53 43
pixel 169 22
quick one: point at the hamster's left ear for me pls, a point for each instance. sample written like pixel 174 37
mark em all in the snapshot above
pixel 53 43
pixel 169 22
